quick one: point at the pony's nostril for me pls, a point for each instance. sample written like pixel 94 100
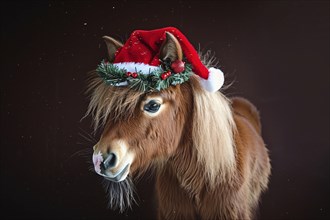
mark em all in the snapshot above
pixel 110 161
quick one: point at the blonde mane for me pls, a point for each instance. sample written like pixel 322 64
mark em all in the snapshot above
pixel 213 134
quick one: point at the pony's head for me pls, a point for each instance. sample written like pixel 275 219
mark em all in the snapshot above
pixel 143 129
pixel 139 128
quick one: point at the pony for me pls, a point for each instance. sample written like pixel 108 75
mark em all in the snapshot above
pixel 206 149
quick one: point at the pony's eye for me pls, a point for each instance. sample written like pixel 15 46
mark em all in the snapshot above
pixel 152 106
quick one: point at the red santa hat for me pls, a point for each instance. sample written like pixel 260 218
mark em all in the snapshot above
pixel 141 52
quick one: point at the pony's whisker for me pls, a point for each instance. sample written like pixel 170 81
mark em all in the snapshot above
pixel 120 194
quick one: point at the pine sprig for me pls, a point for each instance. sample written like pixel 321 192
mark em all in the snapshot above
pixel 115 76
pixel 111 74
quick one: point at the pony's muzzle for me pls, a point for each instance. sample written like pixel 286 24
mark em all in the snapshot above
pixel 112 160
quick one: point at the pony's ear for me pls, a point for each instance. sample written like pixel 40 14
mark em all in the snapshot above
pixel 170 48
pixel 112 46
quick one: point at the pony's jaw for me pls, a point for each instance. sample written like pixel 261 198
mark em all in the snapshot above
pixel 119 170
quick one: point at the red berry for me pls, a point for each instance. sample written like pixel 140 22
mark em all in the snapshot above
pixel 177 66
pixel 163 76
pixel 128 74
pixel 134 75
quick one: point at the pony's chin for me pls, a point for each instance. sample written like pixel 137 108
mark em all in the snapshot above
pixel 120 177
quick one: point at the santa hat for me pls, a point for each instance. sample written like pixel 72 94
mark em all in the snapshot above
pixel 141 53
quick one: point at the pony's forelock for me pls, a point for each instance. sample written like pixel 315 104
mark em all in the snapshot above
pixel 108 100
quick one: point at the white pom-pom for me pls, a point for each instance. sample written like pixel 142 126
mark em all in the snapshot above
pixel 215 80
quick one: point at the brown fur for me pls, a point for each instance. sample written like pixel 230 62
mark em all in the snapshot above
pixel 185 188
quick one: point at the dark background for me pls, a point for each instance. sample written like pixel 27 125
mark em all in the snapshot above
pixel 276 52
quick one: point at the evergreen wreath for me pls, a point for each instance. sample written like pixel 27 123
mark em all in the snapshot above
pixel 156 80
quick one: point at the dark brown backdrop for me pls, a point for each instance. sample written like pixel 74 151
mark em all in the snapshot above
pixel 277 53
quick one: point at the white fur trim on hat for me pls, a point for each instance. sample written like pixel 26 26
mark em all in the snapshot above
pixel 136 67
pixel 215 80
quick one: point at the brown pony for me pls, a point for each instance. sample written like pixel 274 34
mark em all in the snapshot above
pixel 207 151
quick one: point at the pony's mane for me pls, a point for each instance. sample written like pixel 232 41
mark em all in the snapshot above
pixel 213 134
pixel 214 128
